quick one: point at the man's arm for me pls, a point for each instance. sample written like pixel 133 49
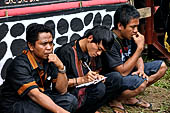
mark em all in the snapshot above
pixel 90 76
pixel 140 64
pixel 65 55
pixel 61 82
pixel 140 68
pixel 45 101
pixel 128 66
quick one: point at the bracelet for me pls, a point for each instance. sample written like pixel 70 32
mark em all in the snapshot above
pixel 76 81
pixel 73 82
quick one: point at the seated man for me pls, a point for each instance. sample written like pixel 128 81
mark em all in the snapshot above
pixel 125 57
pixel 80 58
pixel 32 75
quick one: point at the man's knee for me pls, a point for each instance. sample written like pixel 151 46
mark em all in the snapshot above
pixel 164 66
pixel 162 70
pixel 135 92
pixel 100 90
pixel 141 88
pixel 96 92
pixel 114 80
pixel 71 103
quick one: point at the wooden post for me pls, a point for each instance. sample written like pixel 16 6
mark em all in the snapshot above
pixel 149 23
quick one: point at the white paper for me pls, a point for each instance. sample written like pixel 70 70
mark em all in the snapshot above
pixel 90 83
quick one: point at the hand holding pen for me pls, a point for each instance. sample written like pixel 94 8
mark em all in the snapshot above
pixel 91 75
pixel 91 78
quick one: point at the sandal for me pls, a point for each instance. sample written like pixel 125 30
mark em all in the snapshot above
pixel 140 103
pixel 117 109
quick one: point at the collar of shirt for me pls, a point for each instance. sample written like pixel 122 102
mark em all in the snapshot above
pixel 45 62
pixel 44 67
pixel 81 55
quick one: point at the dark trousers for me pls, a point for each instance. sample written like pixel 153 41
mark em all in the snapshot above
pixel 66 101
pixel 93 94
pixel 113 88
pixel 100 94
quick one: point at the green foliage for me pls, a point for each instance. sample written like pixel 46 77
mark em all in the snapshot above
pixel 164 107
pixel 164 82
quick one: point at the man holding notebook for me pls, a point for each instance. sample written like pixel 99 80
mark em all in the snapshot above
pixel 81 58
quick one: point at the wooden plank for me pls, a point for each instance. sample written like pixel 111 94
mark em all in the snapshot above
pixel 145 12
pixel 162 49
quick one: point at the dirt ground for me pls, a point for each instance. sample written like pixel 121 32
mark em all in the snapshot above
pixel 158 97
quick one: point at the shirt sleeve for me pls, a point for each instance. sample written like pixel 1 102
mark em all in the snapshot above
pixel 112 58
pixel 20 77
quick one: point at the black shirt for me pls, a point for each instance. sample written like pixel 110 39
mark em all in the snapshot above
pixel 121 51
pixel 67 55
pixel 22 77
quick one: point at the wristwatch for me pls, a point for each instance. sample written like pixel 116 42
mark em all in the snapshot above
pixel 63 70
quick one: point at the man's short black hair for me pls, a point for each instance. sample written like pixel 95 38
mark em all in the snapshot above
pixel 34 29
pixel 124 14
pixel 101 33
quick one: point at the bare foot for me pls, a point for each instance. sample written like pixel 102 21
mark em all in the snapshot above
pixel 129 101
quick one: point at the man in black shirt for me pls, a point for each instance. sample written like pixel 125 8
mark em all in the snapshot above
pixel 36 81
pixel 82 61
pixel 125 57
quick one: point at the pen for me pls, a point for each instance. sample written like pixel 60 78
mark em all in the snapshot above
pixel 87 66
pixel 90 70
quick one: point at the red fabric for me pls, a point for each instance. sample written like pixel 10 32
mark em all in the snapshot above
pixel 81 95
pixel 55 7
pixel 81 92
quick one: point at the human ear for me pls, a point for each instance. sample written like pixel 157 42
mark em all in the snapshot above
pixel 120 26
pixel 90 38
pixel 30 45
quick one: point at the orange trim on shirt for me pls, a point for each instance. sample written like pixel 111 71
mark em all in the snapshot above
pixel 25 86
pixel 42 89
pixel 34 65
pixel 41 73
pixel 32 60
